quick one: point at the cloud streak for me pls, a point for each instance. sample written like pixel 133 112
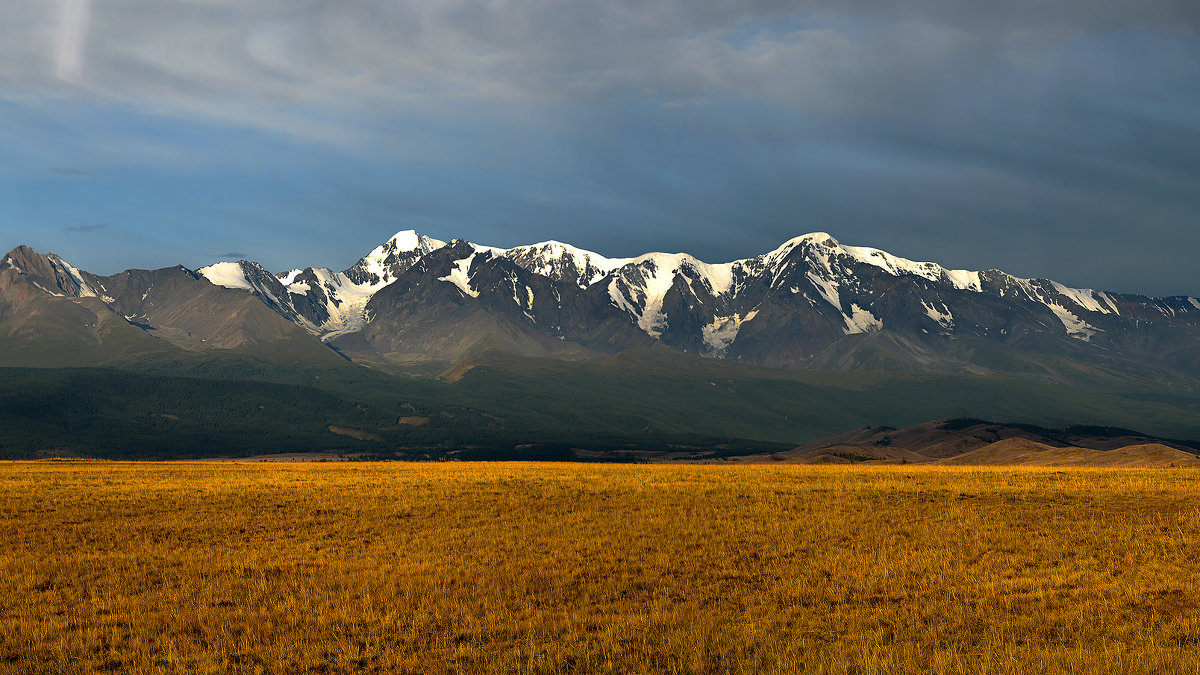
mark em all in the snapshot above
pixel 537 50
pixel 73 25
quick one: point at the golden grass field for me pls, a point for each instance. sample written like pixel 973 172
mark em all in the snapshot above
pixel 547 568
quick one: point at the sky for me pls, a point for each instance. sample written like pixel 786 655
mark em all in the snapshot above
pixel 1048 139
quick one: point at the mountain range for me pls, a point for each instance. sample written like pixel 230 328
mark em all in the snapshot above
pixel 812 303
pixel 441 311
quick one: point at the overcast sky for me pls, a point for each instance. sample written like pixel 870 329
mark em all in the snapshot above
pixel 1057 139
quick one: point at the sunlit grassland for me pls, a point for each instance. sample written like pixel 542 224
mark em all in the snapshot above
pixel 596 568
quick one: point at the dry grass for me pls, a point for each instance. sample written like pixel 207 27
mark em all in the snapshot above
pixel 596 568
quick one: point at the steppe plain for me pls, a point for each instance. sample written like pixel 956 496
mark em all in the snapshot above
pixel 547 568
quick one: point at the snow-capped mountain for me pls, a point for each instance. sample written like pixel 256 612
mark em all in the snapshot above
pixel 322 301
pixel 810 303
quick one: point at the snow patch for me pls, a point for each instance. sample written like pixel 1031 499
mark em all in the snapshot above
pixel 76 276
pixel 1036 290
pixel 719 277
pixel 658 270
pixel 861 321
pixel 945 319
pixel 227 274
pixel 721 333
pixel 1108 299
pixel 828 290
pixel 1076 327
pixel 1083 297
pixel 346 302
pixel 288 277
pixel 234 275
pixel 1195 302
pixel 619 300
pixel 44 289
pixel 964 280
pixel 479 248
pixel 460 275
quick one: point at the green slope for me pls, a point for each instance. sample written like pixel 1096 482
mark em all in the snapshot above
pixel 499 406
pixel 676 394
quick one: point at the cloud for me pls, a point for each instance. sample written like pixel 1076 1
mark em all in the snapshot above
pixel 233 254
pixel 180 55
pixel 87 228
pixel 373 75
pixel 68 171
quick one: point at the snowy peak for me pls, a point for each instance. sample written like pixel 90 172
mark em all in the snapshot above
pixel 645 285
pixel 387 261
pixel 409 241
pixel 825 251
pixel 563 262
